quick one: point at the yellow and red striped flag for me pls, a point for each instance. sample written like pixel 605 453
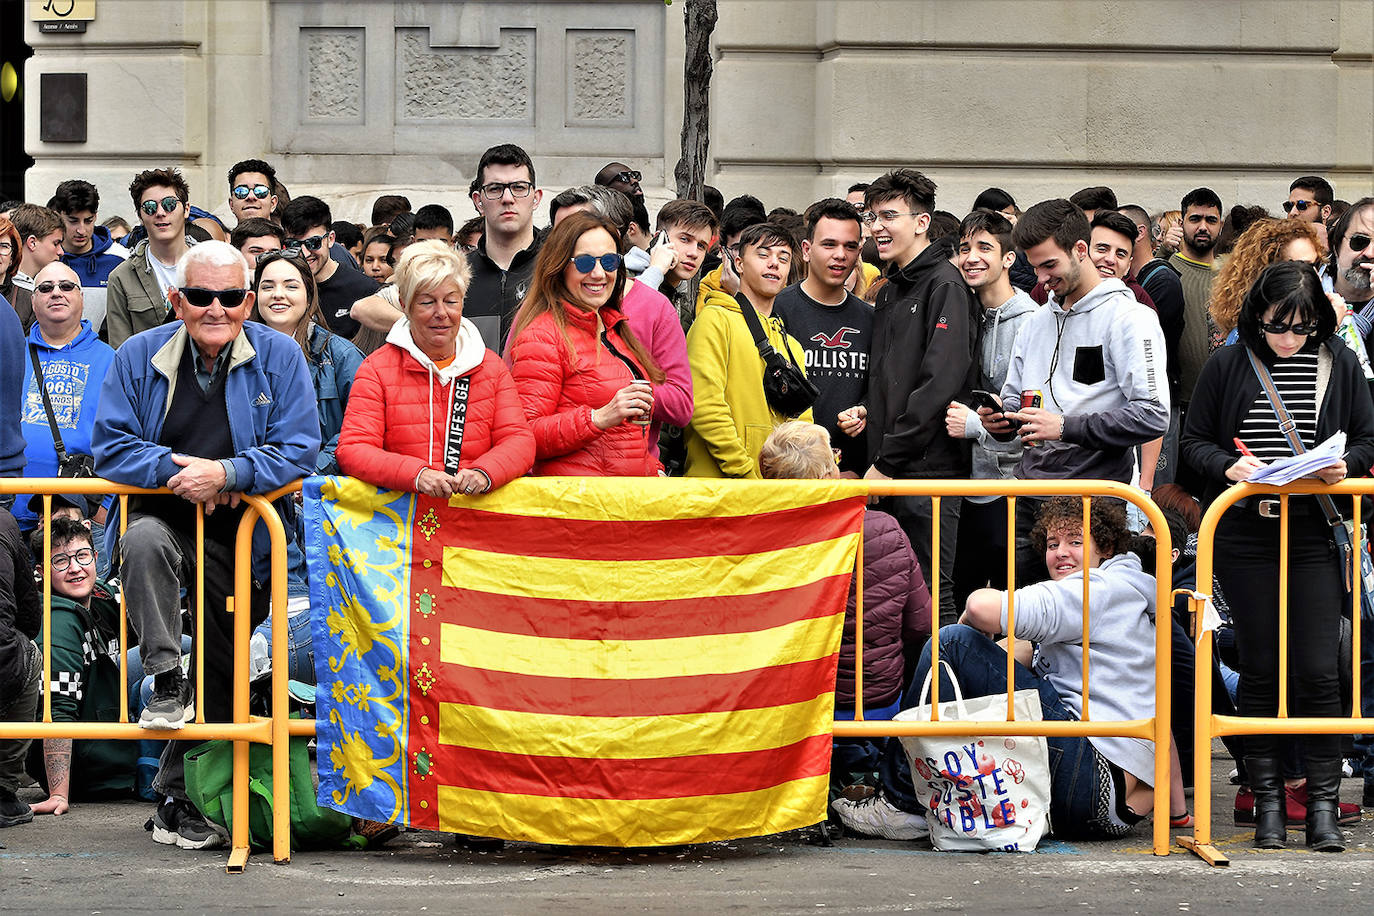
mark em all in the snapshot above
pixel 581 661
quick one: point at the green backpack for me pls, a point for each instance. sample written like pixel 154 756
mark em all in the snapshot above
pixel 209 785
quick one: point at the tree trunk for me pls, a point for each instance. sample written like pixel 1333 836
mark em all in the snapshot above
pixel 696 89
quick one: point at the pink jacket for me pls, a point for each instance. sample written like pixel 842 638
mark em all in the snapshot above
pixel 654 321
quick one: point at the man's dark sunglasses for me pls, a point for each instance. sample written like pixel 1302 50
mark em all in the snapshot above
pixel 1302 205
pixel 204 298
pixel 314 243
pixel 260 191
pixel 586 263
pixel 47 286
pixel 1302 330
pixel 1359 241
pixel 168 203
pixel 627 177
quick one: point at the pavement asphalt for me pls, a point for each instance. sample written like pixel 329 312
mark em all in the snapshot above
pixel 98 859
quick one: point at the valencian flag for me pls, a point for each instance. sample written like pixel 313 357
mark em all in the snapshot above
pixel 580 661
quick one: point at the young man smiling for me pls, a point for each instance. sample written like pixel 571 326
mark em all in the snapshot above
pixel 136 294
pixel 306 221
pixel 733 417
pixel 925 335
pixel 834 326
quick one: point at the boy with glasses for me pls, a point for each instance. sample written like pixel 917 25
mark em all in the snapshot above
pixel 925 333
pixel 307 221
pixel 506 195
pixel 252 190
pixel 136 292
pixel 84 683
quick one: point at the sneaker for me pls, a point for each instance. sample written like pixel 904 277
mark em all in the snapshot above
pixel 178 823
pixel 170 706
pixel 876 816
pixel 13 812
pixel 375 832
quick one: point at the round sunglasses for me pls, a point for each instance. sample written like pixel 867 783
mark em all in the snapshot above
pixel 586 263
pixel 260 191
pixel 168 203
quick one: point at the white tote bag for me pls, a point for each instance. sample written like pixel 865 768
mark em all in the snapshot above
pixel 980 794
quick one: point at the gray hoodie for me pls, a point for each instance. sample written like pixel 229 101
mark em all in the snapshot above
pixel 1100 365
pixel 1121 637
pixel 992 459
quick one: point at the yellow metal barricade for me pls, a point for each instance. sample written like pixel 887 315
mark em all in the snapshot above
pixel 1209 725
pixel 243 729
pixel 1156 728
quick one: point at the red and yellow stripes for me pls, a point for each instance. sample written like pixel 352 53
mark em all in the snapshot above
pixel 613 665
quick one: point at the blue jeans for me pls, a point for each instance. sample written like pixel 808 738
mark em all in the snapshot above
pixel 981 666
pixel 300 648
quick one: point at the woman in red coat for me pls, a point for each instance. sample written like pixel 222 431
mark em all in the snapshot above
pixel 402 429
pixel 585 382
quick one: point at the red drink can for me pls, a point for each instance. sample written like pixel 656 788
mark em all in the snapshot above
pixel 1032 397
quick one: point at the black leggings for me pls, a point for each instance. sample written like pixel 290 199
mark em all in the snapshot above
pixel 1247 551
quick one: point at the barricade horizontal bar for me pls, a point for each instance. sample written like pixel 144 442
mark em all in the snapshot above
pixel 1124 728
pixel 259 732
pixel 1240 725
pixel 297 727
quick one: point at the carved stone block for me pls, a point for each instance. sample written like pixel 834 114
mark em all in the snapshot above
pixel 600 78
pixel 447 84
pixel 336 63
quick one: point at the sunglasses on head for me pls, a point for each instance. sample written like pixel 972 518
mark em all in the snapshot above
pixel 586 263
pixel 47 286
pixel 1302 205
pixel 260 191
pixel 1359 241
pixel 168 203
pixel 1302 330
pixel 314 243
pixel 204 298
pixel 627 177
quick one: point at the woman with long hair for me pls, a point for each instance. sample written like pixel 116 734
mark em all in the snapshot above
pixel 1262 244
pixel 288 300
pixel 585 381
pixel 1233 428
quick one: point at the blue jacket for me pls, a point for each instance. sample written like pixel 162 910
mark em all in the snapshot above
pixel 73 375
pixel 11 391
pixel 333 362
pixel 272 418
pixel 94 266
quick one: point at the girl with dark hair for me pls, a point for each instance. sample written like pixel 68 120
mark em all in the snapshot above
pixel 288 300
pixel 1233 429
pixel 585 381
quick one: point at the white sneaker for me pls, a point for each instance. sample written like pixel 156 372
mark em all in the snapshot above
pixel 876 816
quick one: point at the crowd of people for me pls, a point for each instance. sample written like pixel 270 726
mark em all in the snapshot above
pixel 868 336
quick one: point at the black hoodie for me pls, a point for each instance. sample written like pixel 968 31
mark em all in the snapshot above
pixel 926 325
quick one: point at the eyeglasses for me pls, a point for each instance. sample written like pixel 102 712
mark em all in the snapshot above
pixel 467 247
pixel 627 177
pixel 886 216
pixel 1302 205
pixel 314 243
pixel 204 298
pixel 6 248
pixel 497 189
pixel 260 191
pixel 47 286
pixel 168 203
pixel 1359 241
pixel 1302 330
pixel 83 557
pixel 586 263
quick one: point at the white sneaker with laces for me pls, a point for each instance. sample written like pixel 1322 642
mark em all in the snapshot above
pixel 876 816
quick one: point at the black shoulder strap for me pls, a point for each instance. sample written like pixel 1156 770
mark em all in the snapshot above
pixel 457 419
pixel 751 318
pixel 57 444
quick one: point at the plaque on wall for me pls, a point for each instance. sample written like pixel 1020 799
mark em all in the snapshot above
pixel 62 108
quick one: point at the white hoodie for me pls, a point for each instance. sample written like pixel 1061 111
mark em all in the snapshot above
pixel 467 356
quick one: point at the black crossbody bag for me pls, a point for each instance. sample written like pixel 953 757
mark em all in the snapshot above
pixel 68 465
pixel 785 385
pixel 1341 532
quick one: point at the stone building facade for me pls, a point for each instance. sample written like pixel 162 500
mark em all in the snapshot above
pixel 1041 97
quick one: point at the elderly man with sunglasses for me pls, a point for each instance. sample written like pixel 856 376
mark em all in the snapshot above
pixel 136 292
pixel 211 408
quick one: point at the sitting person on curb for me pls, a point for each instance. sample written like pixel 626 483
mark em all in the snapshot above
pixel 211 408
pixel 1100 787
pixel 896 601
pixel 84 637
